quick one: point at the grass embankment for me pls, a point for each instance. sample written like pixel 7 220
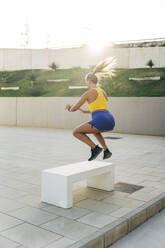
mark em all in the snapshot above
pixel 120 85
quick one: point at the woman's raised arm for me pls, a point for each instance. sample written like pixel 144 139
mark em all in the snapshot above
pixel 84 111
pixel 78 104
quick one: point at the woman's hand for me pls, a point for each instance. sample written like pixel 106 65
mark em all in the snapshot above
pixel 68 107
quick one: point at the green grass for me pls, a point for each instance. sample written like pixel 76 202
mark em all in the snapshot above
pixel 120 85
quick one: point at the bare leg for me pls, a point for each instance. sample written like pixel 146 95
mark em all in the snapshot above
pixel 84 138
pixel 80 133
pixel 101 140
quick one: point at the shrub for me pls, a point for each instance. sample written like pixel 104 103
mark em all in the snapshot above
pixel 5 76
pixel 32 78
pixel 53 66
pixel 150 63
pixel 36 91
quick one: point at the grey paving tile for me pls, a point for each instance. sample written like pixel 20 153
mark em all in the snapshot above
pixel 1 186
pixel 6 243
pixel 148 183
pixel 33 215
pixel 69 228
pixel 97 220
pixel 92 193
pixel 34 189
pixel 61 243
pixel 32 200
pixel 146 196
pixel 157 173
pixel 162 181
pixel 21 246
pixel 124 202
pixel 8 222
pixel 14 183
pixel 133 180
pixel 3 172
pixel 98 206
pixel 10 193
pixel 151 177
pixel 31 180
pixel 7 205
pixel 118 194
pixel 72 213
pixel 147 189
pixel 30 236
pixel 121 212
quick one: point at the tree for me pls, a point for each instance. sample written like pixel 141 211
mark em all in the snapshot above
pixel 32 79
pixel 150 63
pixel 5 76
pixel 53 66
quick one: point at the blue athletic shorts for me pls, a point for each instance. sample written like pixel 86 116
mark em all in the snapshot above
pixel 102 120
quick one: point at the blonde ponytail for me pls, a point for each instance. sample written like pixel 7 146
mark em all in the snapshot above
pixel 105 67
pixel 102 69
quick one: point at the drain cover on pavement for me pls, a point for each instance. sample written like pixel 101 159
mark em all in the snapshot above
pixel 127 188
pixel 112 137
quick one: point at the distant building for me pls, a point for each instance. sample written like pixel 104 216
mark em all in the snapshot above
pixel 158 42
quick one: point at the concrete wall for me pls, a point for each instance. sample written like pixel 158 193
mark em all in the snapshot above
pixel 136 115
pixel 138 57
pixel 139 115
pixel 8 111
pixel 18 59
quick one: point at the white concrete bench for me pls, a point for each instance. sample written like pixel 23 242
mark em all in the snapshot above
pixel 145 79
pixel 57 182
pixel 77 87
pixel 9 88
pixel 58 80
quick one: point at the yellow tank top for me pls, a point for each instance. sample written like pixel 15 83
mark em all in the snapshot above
pixel 100 102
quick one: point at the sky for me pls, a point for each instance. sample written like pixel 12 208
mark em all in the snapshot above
pixel 67 23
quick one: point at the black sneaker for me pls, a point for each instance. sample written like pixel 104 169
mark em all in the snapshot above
pixel 95 152
pixel 107 154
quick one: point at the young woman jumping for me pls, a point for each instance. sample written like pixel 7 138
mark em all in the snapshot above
pixel 97 101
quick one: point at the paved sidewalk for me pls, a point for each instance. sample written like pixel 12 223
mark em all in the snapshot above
pixel 150 234
pixel 25 152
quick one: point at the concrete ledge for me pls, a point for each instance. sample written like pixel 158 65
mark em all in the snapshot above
pixel 119 228
pixel 137 220
pixel 98 243
pixel 116 234
pixel 145 78
pixel 154 209
pixel 162 203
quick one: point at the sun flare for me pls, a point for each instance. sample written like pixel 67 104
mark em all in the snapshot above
pixel 96 45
